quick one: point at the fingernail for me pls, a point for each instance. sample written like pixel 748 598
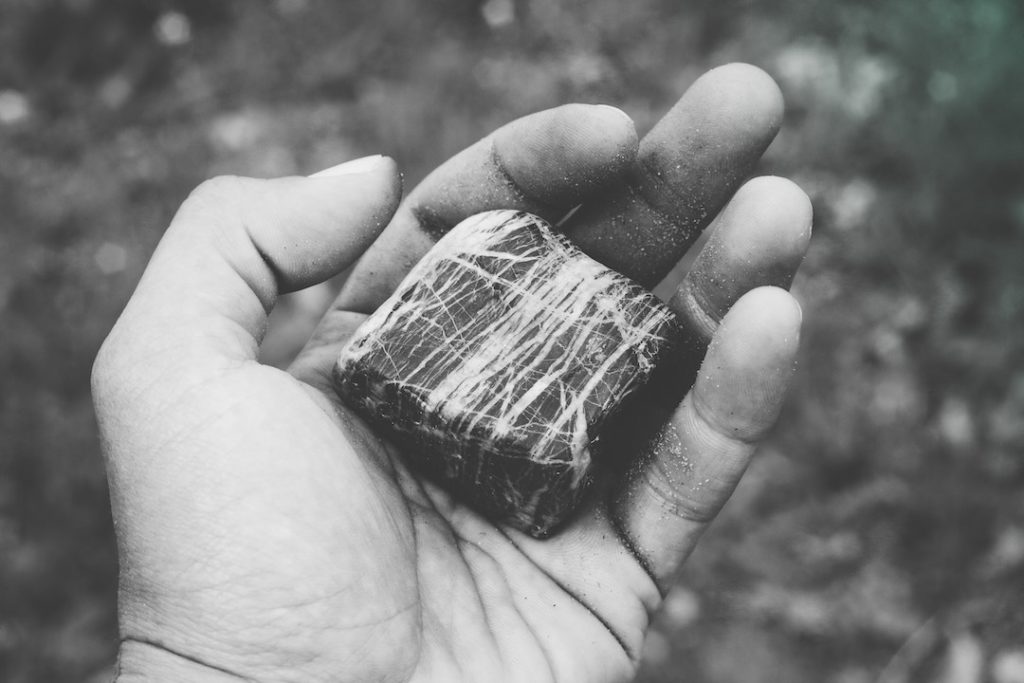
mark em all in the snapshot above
pixel 354 167
pixel 617 111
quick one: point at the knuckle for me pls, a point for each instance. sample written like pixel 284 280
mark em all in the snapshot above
pixel 219 198
pixel 216 190
pixel 104 369
pixel 217 206
pixel 678 496
pixel 118 367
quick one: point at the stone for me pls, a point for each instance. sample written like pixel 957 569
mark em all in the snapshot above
pixel 506 363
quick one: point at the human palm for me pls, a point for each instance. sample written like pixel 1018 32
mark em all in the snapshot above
pixel 266 533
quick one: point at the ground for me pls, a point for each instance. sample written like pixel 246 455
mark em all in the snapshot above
pixel 880 532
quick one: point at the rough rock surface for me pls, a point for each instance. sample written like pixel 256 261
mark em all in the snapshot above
pixel 501 360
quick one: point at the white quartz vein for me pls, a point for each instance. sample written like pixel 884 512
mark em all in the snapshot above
pixel 542 332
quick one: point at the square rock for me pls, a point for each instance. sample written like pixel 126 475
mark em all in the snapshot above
pixel 501 362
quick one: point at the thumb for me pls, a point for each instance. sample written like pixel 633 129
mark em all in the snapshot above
pixel 233 247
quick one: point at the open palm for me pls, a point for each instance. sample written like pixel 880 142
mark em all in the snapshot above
pixel 267 534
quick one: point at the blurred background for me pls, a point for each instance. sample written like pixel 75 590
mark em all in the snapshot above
pixel 879 535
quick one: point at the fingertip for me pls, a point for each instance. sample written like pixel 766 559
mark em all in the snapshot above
pixel 745 87
pixel 766 226
pixel 614 129
pixel 767 301
pixel 392 187
pixel 618 113
pixel 738 105
pixel 594 127
pixel 392 177
pixel 769 317
pixel 562 154
pixel 780 200
pixel 377 175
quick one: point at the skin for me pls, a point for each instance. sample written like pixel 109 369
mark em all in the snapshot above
pixel 266 534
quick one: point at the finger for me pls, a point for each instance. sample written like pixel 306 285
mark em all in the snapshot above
pixel 545 163
pixel 759 240
pixel 687 168
pixel 699 456
pixel 234 245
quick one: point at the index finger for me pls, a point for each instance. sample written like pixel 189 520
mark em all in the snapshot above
pixel 545 163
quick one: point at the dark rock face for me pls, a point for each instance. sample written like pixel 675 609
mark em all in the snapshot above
pixel 499 362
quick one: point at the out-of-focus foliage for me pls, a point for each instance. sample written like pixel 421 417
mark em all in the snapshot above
pixel 882 529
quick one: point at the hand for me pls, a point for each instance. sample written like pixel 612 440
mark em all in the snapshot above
pixel 267 534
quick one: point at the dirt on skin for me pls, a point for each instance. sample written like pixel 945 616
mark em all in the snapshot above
pixel 879 535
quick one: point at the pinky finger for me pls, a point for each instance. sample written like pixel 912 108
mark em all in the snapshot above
pixel 700 454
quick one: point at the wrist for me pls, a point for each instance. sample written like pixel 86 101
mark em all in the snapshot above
pixel 139 661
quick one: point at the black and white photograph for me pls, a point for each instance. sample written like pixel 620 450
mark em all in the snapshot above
pixel 525 341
